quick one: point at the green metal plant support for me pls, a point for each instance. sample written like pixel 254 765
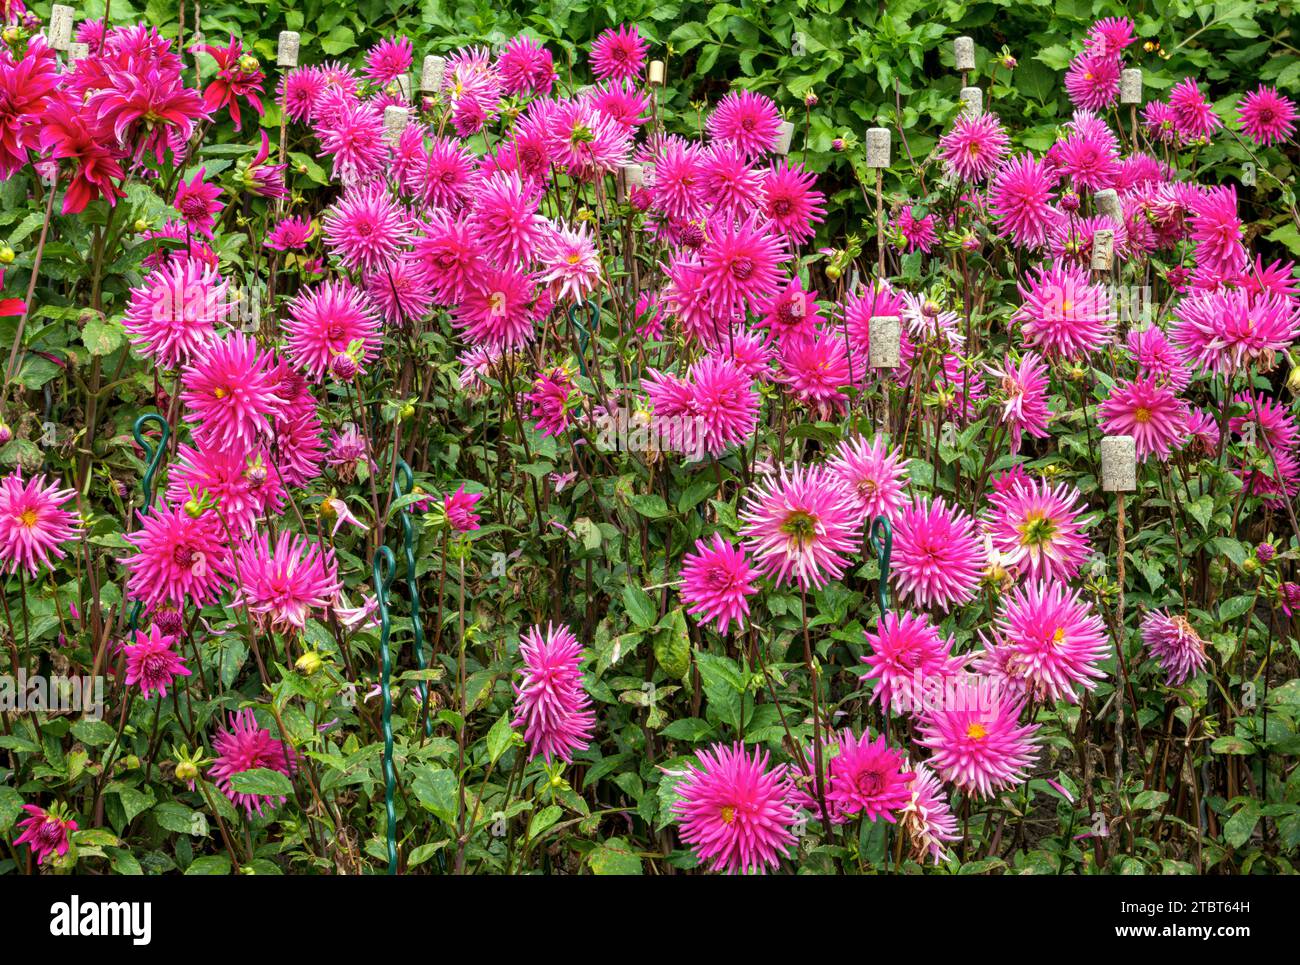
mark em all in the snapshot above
pixel 383 577
pixel 403 484
pixel 152 461
pixel 880 536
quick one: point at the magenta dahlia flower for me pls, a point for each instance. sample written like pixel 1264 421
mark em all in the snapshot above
pixel 229 392
pixel 196 200
pixel 1216 228
pixel 570 263
pixel 550 400
pixel 739 265
pixel 724 402
pixel 1266 116
pixel 1194 116
pixel 979 744
pixel 875 475
pixel 918 234
pixel 366 228
pixel 550 702
pixel 32 523
pixel 1064 313
pixel 974 146
pixel 1049 641
pixel 816 369
pixel 1020 199
pixel 331 319
pixel 497 313
pixel 908 659
pixel 299 91
pixel 1155 356
pixel 1093 79
pixel 248 746
pixel 173 313
pixel 389 59
pixel 735 814
pixel 152 663
pixel 505 221
pixel 45 832
pixel 717 582
pixel 525 66
pixel 178 558
pixel 241 483
pixel 791 204
pixel 1148 411
pixel 938 558
pixel 800 526
pixel 1173 641
pixel 866 777
pixel 459 510
pixel 747 121
pixel 354 136
pixel 281 582
pixel 618 53
pixel 1036 531
pixel 1226 331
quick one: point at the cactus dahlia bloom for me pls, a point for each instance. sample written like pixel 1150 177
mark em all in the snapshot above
pixel 1266 116
pixel 815 369
pixel 282 582
pixel 874 474
pixel 497 311
pixel 1049 641
pixel 172 314
pixel 928 818
pixel 1226 331
pixel 1020 199
pixel 979 744
pixel 1035 530
pixel 734 813
pixel 907 651
pixel 1194 116
pixel 974 147
pixel 152 663
pixel 1173 641
pixel 245 747
pixel 179 559
pixel 739 264
pixel 229 392
pixel 243 484
pixel 459 510
pixel 389 59
pixel 717 581
pixel 1064 314
pixel 550 702
pixel 32 524
pixel 526 67
pixel 550 397
pixel 747 121
pixel 329 320
pixel 866 777
pixel 1148 411
pixel 366 228
pixel 45 832
pixel 1093 79
pixel 1023 387
pixel 800 527
pixel 1154 355
pixel 938 558
pixel 791 204
pixel 618 54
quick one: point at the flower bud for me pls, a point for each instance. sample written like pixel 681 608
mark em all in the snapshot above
pixel 837 144
pixel 408 410
pixel 308 663
pixel 6 434
pixel 1250 566
pixel 186 771
pixel 6 255
pixel 344 367
pixel 1264 552
pixel 193 508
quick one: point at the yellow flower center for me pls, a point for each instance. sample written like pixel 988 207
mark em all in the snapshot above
pixel 574 258
pixel 975 731
pixel 1058 637
pixel 220 393
pixel 728 814
pixel 28 518
pixel 1142 415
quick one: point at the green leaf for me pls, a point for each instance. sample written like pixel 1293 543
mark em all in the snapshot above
pixel 639 606
pixel 650 505
pixel 614 857
pixel 172 816
pixel 1232 745
pixel 102 336
pixel 1235 607
pixel 95 733
pixel 1238 828
pixel 209 864
pixel 263 782
pixel 673 645
pixel 543 819
pixel 723 686
pixel 11 805
pixel 499 737
pixel 436 788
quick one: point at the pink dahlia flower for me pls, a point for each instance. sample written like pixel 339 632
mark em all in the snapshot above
pixel 197 202
pixel 866 777
pixel 928 818
pixel 1036 531
pixel 1023 388
pixel 550 400
pixel 717 582
pixel 800 527
pixel 816 369
pixel 1064 314
pixel 389 59
pixel 229 392
pixel 1048 642
pixel 173 313
pixel 459 509
pixel 974 146
pixel 32 523
pixel 874 474
pixel 497 311
pixel 525 67
pixel 908 660
pixel 791 204
pixel 735 814
pixel 618 54
pixel 1175 643
pixel 1266 116
pixel 1148 411
pixel 45 832
pixel 243 484
pixel 282 582
pixel 550 702
pixel 1194 116
pixel 980 745
pixel 1226 331
pixel 331 319
pixel 938 559
pixel 747 121
pixel 1020 199
pixel 152 663
pixel 1093 79
pixel 366 228
pixel 178 558
pixel 245 747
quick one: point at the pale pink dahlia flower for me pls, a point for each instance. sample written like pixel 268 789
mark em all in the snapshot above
pixel 908 659
pixel 981 746
pixel 32 522
pixel 875 474
pixel 1151 413
pixel 800 526
pixel 1023 397
pixel 735 814
pixel 282 582
pixel 928 817
pixel 1048 642
pixel 550 702
pixel 1036 531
